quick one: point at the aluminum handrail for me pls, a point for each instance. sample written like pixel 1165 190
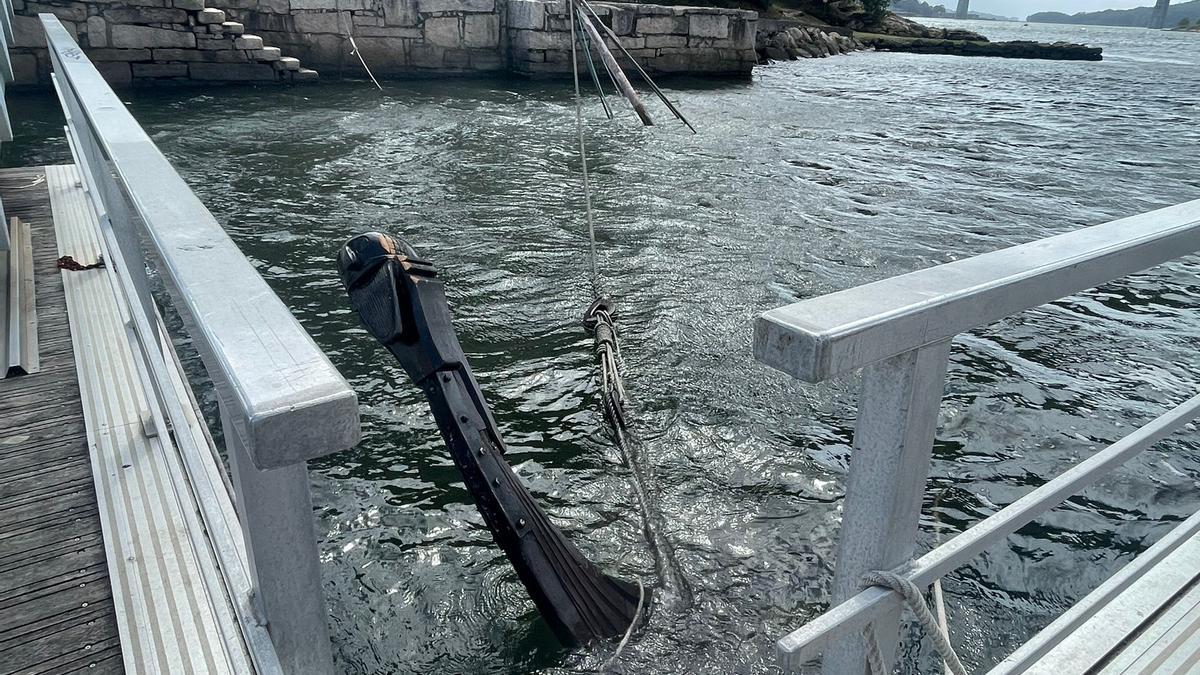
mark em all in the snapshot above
pixel 804 644
pixel 897 332
pixel 293 404
pixel 833 334
pixel 282 402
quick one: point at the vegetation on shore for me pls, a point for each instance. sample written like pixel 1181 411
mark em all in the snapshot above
pixel 1138 17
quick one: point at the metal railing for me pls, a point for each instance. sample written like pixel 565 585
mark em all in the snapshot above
pixel 7 333
pixel 282 402
pixel 897 332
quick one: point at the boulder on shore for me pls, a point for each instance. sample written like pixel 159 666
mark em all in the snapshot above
pixel 803 42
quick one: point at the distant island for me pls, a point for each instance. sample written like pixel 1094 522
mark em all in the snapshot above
pixel 924 9
pixel 1137 17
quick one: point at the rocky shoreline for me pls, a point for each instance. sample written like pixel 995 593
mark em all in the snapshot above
pixel 802 42
pixel 800 36
pixel 1016 49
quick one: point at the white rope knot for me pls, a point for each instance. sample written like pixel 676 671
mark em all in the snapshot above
pixel 915 598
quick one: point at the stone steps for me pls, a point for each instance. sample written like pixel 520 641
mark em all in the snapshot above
pixel 286 67
pixel 156 47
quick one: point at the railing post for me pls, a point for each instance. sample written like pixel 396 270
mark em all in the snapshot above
pixel 275 510
pixel 893 440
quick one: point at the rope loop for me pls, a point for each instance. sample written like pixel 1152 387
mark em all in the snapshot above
pixel 914 597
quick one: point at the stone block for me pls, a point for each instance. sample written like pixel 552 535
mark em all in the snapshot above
pixel 266 54
pixel 27 32
pixel 481 30
pixel 336 5
pixel 655 10
pixel 546 68
pixel 146 36
pixel 233 72
pixel 708 25
pixel 389 32
pixel 326 50
pixel 115 73
pixel 261 7
pixel 288 63
pixel 25 68
pixel 742 34
pixel 443 31
pixel 661 25
pixel 629 42
pixel 641 54
pixel 486 59
pixel 205 55
pixel 160 69
pixel 656 41
pixel 366 20
pixel 458 59
pixel 623 20
pixel 400 13
pixel 305 75
pixel 233 28
pixel 73 12
pixel 536 39
pixel 277 22
pixel 248 42
pixel 526 14
pixel 145 15
pixel 319 22
pixel 214 43
pixel 97 32
pixel 192 5
pixel 210 15
pixel 143 3
pixel 432 6
pixel 426 56
pixel 98 55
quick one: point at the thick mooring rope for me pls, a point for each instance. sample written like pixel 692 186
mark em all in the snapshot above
pixel 916 602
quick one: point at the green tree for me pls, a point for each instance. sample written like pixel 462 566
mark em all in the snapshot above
pixel 1184 22
pixel 876 8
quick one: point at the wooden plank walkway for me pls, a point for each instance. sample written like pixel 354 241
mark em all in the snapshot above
pixel 56 606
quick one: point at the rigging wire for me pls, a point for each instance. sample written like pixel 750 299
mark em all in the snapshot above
pixel 599 319
pixel 354 47
pixel 587 53
pixel 587 187
pixel 645 76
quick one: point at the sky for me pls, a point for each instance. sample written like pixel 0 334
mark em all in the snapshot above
pixel 1022 8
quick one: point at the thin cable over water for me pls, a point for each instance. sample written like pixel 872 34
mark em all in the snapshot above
pixel 599 318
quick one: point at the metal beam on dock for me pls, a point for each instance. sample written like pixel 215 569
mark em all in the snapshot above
pixel 56 605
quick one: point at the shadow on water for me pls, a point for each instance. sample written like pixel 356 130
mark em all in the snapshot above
pixel 816 176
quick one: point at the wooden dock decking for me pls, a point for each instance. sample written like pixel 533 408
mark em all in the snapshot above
pixel 56 605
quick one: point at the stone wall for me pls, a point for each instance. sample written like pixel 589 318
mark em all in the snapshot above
pixel 663 39
pixel 135 41
pixel 150 42
pixel 397 38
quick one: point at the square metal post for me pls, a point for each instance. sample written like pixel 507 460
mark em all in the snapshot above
pixel 893 441
pixel 275 510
